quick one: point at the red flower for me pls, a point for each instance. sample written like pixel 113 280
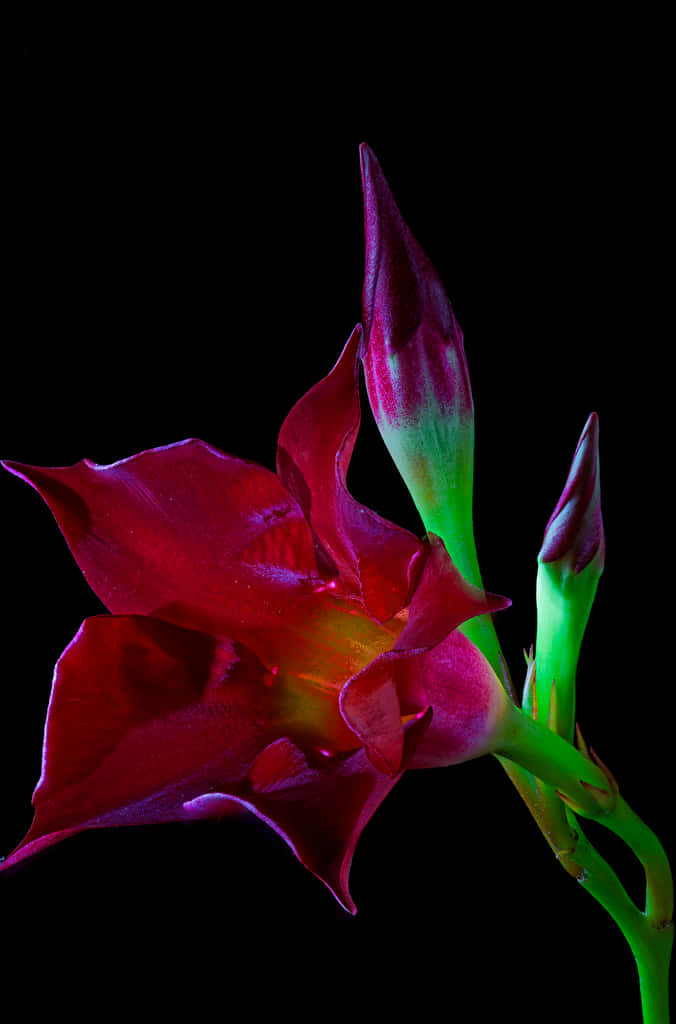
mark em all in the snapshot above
pixel 272 642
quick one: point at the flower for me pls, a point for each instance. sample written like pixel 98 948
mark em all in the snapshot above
pixel 271 643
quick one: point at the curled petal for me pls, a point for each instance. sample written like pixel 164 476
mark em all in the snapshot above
pixel 321 809
pixel 370 705
pixel 374 701
pixel 372 557
pixel 184 525
pixel 443 600
pixel 467 699
pixel 144 718
pixel 452 680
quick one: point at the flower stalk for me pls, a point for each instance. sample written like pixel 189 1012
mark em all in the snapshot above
pixel 419 389
pixel 570 564
pixel 566 776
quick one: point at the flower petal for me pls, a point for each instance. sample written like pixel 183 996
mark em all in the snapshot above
pixel 144 718
pixel 467 701
pixel 453 679
pixel 197 536
pixel 321 809
pixel 374 557
pixel 443 600
pixel 374 701
pixel 370 705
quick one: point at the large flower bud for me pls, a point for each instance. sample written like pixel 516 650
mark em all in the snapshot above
pixel 418 382
pixel 415 369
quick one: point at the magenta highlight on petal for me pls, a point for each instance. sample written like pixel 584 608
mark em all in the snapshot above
pixel 211 805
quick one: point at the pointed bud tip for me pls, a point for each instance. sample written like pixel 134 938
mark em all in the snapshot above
pixel 366 155
pixel 575 532
pixel 402 290
pixel 372 175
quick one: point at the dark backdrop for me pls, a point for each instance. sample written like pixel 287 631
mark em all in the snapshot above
pixel 186 252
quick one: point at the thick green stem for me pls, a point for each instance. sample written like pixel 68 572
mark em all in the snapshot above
pixel 652 960
pixel 568 771
pixel 650 945
pixel 649 934
pixel 539 762
pixel 659 906
pixel 481 631
pixel 563 606
pixel 550 758
pixel 652 952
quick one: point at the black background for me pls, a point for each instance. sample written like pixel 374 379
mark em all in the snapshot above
pixel 186 256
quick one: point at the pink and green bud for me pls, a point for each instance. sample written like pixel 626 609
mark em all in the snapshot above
pixel 415 369
pixel 418 382
pixel 574 537
pixel 570 564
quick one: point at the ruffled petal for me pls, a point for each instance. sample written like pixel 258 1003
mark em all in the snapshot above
pixel 183 531
pixel 144 718
pixel 375 700
pixel 453 680
pixel 366 554
pixel 443 600
pixel 321 809
pixel 466 697
pixel 370 706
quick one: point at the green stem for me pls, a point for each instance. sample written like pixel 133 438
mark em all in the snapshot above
pixel 550 758
pixel 624 822
pixel 481 631
pixel 649 934
pixel 650 945
pixel 563 608
pixel 567 770
pixel 530 752
pixel 652 952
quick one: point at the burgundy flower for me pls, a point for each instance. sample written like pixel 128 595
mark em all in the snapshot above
pixel 271 643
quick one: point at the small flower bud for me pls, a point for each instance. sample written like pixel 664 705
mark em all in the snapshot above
pixel 570 561
pixel 574 535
